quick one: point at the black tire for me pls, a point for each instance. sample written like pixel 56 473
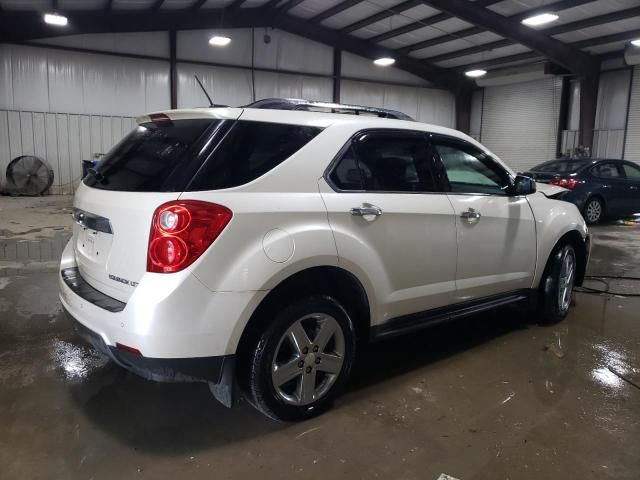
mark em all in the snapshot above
pixel 552 308
pixel 593 211
pixel 263 394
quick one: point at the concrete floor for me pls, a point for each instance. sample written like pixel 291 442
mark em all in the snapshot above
pixel 491 397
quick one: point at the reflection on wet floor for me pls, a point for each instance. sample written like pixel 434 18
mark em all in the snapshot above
pixel 488 397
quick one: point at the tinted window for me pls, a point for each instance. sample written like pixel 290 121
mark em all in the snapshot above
pixel 560 166
pixel 631 171
pixel 470 170
pixel 153 157
pixel 386 162
pixel 250 150
pixel 606 170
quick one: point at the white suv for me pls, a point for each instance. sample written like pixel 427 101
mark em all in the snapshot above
pixel 264 245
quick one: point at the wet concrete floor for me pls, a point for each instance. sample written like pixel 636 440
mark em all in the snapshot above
pixel 491 397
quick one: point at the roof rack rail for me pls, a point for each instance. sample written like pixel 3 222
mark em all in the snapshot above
pixel 328 107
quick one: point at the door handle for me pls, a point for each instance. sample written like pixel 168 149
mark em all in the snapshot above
pixel 471 214
pixel 366 210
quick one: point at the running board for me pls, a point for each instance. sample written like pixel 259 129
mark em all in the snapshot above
pixel 417 321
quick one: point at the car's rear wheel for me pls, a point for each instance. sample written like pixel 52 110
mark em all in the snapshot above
pixel 557 285
pixel 302 359
pixel 593 210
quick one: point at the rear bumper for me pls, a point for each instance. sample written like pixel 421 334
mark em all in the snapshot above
pixel 202 369
pixel 167 317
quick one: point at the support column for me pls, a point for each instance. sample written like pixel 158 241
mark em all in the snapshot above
pixel 173 71
pixel 564 113
pixel 463 109
pixel 588 104
pixel 337 73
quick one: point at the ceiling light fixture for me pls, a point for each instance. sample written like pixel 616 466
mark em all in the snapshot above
pixel 219 41
pixel 540 19
pixel 475 73
pixel 384 61
pixel 636 43
pixel 55 19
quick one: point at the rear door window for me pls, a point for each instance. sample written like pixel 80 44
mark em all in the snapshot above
pixel 154 157
pixel 631 171
pixel 606 170
pixel 248 151
pixel 386 161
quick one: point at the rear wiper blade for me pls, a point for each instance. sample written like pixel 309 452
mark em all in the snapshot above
pixel 96 174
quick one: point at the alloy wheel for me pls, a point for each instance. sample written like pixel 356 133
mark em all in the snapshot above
pixel 593 211
pixel 565 281
pixel 308 359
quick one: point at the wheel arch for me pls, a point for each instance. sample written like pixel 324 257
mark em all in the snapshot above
pixel 580 246
pixel 334 281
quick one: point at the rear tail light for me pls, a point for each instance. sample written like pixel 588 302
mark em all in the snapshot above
pixel 569 183
pixel 181 231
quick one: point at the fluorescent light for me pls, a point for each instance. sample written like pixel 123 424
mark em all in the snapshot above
pixel 475 73
pixel 636 43
pixel 55 19
pixel 219 41
pixel 540 19
pixel 384 61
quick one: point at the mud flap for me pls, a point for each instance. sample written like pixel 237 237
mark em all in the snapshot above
pixel 223 390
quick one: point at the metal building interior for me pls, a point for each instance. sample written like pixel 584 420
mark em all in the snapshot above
pixel 489 396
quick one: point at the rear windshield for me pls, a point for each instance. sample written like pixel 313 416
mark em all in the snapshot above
pixel 199 154
pixel 560 166
pixel 154 157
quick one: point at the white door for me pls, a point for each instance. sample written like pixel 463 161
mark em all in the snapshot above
pixel 496 233
pixel 401 240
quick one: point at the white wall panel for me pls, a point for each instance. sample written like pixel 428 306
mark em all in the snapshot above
pixel 15 137
pixel 40 142
pixel 5 153
pixel 476 113
pixel 355 66
pixel 424 104
pixel 613 92
pixel 227 86
pixel 520 121
pixel 26 133
pixel 46 80
pixel 270 85
pixel 632 144
pixel 290 52
pixel 29 78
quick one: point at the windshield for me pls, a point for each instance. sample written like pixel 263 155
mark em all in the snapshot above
pixel 560 166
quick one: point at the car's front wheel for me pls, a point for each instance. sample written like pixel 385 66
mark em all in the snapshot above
pixel 557 285
pixel 593 210
pixel 302 359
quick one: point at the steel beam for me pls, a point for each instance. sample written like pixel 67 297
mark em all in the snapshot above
pixel 518 17
pixel 569 57
pixel 173 69
pixel 386 13
pixel 440 77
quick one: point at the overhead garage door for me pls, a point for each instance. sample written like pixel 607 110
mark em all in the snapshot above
pixel 520 121
pixel 632 144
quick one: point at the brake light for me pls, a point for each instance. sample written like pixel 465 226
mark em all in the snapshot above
pixel 181 231
pixel 569 183
pixel 159 117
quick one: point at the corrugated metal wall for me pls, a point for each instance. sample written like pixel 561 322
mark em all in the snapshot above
pixel 60 138
pixel 520 121
pixel 66 105
pixel 611 113
pixel 632 144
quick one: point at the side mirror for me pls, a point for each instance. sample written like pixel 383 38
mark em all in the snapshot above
pixel 522 186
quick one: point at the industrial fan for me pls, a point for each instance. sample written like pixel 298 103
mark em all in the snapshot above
pixel 29 175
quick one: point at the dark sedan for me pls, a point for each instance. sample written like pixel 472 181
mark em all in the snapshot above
pixel 598 187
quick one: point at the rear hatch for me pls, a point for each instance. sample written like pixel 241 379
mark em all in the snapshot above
pixel 114 205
